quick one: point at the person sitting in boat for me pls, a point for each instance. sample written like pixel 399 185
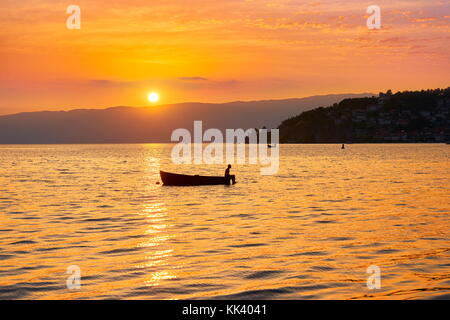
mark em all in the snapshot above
pixel 228 176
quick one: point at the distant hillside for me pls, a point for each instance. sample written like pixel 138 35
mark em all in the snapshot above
pixel 151 124
pixel 418 116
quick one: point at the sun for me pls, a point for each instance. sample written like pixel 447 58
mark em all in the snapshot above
pixel 153 97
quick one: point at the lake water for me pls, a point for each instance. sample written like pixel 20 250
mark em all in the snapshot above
pixel 309 232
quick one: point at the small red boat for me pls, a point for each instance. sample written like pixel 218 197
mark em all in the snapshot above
pixel 175 179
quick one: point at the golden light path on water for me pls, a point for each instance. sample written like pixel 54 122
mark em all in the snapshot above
pixel 308 232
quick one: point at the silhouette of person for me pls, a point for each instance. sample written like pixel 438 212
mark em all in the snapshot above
pixel 228 176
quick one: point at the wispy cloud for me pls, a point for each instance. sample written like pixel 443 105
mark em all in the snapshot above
pixel 192 79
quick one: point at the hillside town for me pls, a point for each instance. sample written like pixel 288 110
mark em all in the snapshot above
pixel 403 117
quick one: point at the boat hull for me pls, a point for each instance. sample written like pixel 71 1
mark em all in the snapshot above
pixel 174 179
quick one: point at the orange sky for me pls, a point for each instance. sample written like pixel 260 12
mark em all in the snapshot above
pixel 215 51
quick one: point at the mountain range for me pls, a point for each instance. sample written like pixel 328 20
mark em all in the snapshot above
pixel 151 124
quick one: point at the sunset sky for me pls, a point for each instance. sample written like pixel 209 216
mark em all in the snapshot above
pixel 215 51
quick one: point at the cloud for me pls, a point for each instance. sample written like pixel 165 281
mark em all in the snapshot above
pixel 110 83
pixel 192 79
pixel 185 83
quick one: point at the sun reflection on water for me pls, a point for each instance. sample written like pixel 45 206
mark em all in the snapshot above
pixel 156 239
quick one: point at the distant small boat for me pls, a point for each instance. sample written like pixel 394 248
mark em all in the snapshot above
pixel 175 179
